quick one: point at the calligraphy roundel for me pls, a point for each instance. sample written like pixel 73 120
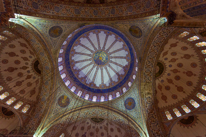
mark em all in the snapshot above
pixel 63 101
pixel 55 31
pixel 129 103
pixel 97 63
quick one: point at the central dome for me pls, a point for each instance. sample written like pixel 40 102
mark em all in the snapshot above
pixel 97 63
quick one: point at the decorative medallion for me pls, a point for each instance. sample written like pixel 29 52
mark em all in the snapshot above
pixel 97 120
pixel 63 101
pixel 37 67
pixel 97 61
pixel 159 69
pixel 129 103
pixel 135 31
pixel 100 58
pixel 55 31
pixel 6 113
pixel 188 121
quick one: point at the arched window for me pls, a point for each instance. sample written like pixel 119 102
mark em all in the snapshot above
pixel 177 112
pixel 67 83
pixel 94 99
pixel 102 98
pixel 73 89
pixel 186 109
pixel 3 38
pixel 4 95
pixel 204 87
pixel 86 96
pixel 61 50
pixel 193 38
pixel 65 42
pixel 79 93
pixel 110 97
pixel 6 32
pixel 129 84
pixel 201 96
pixel 62 135
pixel 203 51
pixel 168 115
pixel 124 90
pixel 183 34
pixel 59 59
pixel 18 105
pixel 117 94
pixel 201 44
pixel 11 100
pixel 60 68
pixel 1 88
pixel 26 108
pixel 63 75
pixel 194 103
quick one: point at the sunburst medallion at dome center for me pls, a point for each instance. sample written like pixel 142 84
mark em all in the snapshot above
pixel 100 58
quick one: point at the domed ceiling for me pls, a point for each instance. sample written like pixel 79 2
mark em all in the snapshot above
pixel 10 122
pixel 20 72
pixel 190 126
pixel 97 127
pixel 180 75
pixel 97 63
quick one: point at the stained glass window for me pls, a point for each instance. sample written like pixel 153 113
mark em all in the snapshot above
pixel 3 38
pixel 6 32
pixel 168 115
pixel 86 96
pixel 124 90
pixel 11 100
pixel 73 89
pixel 185 33
pixel 59 59
pixel 129 84
pixel 186 109
pixel 61 50
pixel 26 108
pixel 117 94
pixel 201 96
pixel 63 75
pixel 193 38
pixel 110 97
pixel 102 98
pixel 204 87
pixel 62 135
pixel 67 83
pixel 1 88
pixel 201 44
pixel 18 105
pixel 203 51
pixel 79 93
pixel 60 68
pixel 4 95
pixel 194 103
pixel 177 112
pixel 94 98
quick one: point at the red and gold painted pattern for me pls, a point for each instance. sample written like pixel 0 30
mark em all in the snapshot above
pixel 87 12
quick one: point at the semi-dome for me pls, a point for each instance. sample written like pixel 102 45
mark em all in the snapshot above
pixel 97 63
